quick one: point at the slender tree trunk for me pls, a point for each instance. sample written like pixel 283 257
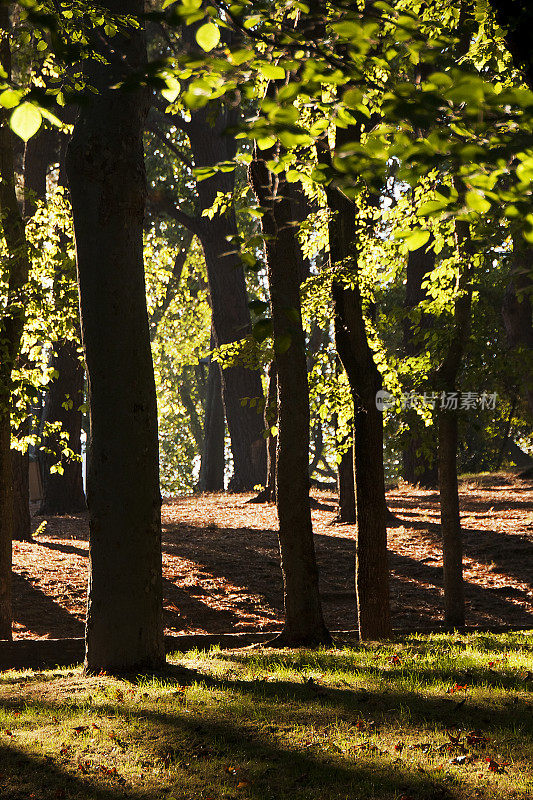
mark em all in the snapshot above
pixel 271 419
pixel 11 328
pixel 20 468
pixel 517 312
pixel 63 493
pixel 372 572
pixel 38 155
pixel 105 168
pixel 447 373
pixel 304 622
pixel 213 456
pixel 346 488
pixel 417 466
pixel 454 608
pixel 231 315
pixel 6 522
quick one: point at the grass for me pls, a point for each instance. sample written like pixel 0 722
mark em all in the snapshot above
pixel 424 718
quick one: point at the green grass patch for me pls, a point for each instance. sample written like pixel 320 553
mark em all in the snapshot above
pixel 424 718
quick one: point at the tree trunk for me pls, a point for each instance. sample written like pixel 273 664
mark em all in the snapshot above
pixel 6 523
pixel 20 468
pixel 346 488
pixel 271 419
pixel 454 607
pixel 229 301
pixel 371 572
pixel 213 456
pixel 304 622
pixel 517 312
pixel 11 328
pixel 105 168
pixel 417 466
pixel 454 611
pixel 63 493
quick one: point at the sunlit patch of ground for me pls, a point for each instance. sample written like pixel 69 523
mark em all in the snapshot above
pixel 221 563
pixel 444 717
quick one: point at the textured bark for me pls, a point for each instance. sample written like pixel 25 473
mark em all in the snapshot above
pixel 371 573
pixel 417 467
pixel 213 457
pixel 271 419
pixel 105 168
pixel 304 622
pixel 229 300
pixel 11 328
pixel 517 313
pixel 39 153
pixel 63 493
pixel 346 488
pixel 20 469
pixel 454 608
pixel 454 612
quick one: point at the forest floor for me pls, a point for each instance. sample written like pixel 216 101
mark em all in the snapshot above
pixel 221 563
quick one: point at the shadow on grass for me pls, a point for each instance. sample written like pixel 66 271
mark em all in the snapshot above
pixel 199 747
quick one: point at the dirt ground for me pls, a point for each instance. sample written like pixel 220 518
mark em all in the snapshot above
pixel 221 563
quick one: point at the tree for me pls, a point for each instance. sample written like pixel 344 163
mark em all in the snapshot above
pixel 106 176
pixel 304 623
pixel 16 268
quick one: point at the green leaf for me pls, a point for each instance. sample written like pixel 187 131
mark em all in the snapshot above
pixel 259 306
pixel 25 121
pixel 10 98
pixel 208 36
pixel 272 71
pixel 173 89
pixel 262 329
pixel 477 202
pixel 266 142
pixel 416 239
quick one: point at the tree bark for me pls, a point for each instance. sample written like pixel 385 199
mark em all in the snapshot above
pixel 454 607
pixel 229 300
pixel 454 610
pixel 213 456
pixel 271 419
pixel 304 622
pixel 346 488
pixel 371 571
pixel 105 168
pixel 417 467
pixel 63 493
pixel 11 328
pixel 517 312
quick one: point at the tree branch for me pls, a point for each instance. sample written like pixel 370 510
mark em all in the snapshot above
pixel 156 130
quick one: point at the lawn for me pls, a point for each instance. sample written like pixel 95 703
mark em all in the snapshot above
pixel 422 718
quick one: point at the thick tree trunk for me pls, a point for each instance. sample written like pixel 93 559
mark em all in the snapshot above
pixel 213 456
pixel 63 493
pixel 105 168
pixel 304 622
pixel 454 607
